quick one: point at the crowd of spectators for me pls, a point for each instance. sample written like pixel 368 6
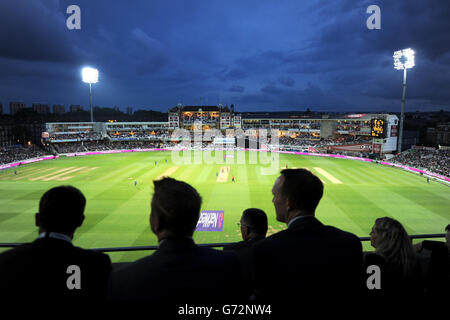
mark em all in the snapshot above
pixel 295 142
pixel 138 135
pixel 15 154
pixel 96 146
pixel 124 145
pixel 68 147
pixel 79 136
pixel 309 140
pixel 168 144
pixel 71 147
pixel 436 161
pixel 351 139
pixel 352 127
pixel 313 125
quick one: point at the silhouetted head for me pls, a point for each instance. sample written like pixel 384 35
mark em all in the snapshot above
pixel 296 192
pixel 391 241
pixel 253 224
pixel 388 233
pixel 175 208
pixel 61 209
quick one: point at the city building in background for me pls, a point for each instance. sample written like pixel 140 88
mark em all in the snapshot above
pixel 41 108
pixel 59 109
pixel 410 138
pixel 15 107
pixel 6 135
pixel 75 108
pixel 440 135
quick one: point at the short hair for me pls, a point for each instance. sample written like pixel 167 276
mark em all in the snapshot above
pixel 61 209
pixel 256 220
pixel 447 228
pixel 303 188
pixel 177 205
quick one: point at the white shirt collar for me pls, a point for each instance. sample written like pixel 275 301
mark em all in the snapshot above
pixel 296 218
pixel 55 235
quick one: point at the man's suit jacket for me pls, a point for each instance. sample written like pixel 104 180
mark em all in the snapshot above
pixel 180 271
pixel 241 246
pixel 243 250
pixel 438 272
pixel 39 270
pixel 306 260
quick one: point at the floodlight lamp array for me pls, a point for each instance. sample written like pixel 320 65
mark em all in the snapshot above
pixel 89 75
pixel 404 59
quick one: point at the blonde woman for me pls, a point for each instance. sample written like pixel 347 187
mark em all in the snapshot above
pixel 394 254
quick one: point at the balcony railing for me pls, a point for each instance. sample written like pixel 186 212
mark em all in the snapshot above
pixel 211 245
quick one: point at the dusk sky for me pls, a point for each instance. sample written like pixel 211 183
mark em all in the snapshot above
pixel 258 55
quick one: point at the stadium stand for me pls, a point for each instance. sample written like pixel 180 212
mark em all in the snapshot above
pixel 436 161
pixel 16 154
pixel 429 159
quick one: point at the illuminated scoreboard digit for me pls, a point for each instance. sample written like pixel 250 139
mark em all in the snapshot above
pixel 378 128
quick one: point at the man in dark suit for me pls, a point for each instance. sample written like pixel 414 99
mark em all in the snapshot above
pixel 179 271
pixel 308 259
pixel 51 267
pixel 253 226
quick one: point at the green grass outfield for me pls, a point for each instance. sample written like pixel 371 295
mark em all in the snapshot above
pixel 117 213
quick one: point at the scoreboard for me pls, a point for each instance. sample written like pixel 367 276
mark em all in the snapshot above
pixel 378 128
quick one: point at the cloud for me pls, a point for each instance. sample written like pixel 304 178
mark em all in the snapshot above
pixel 271 89
pixel 34 31
pixel 252 99
pixel 182 77
pixel 288 82
pixel 312 90
pixel 261 60
pixel 233 74
pixel 38 70
pixel 314 52
pixel 148 53
pixel 236 89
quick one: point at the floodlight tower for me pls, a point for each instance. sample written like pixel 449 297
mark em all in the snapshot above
pixel 90 75
pixel 403 60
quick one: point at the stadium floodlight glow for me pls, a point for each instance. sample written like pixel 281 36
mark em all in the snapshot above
pixel 90 75
pixel 403 60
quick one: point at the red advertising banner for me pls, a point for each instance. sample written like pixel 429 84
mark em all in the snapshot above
pixel 377 148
